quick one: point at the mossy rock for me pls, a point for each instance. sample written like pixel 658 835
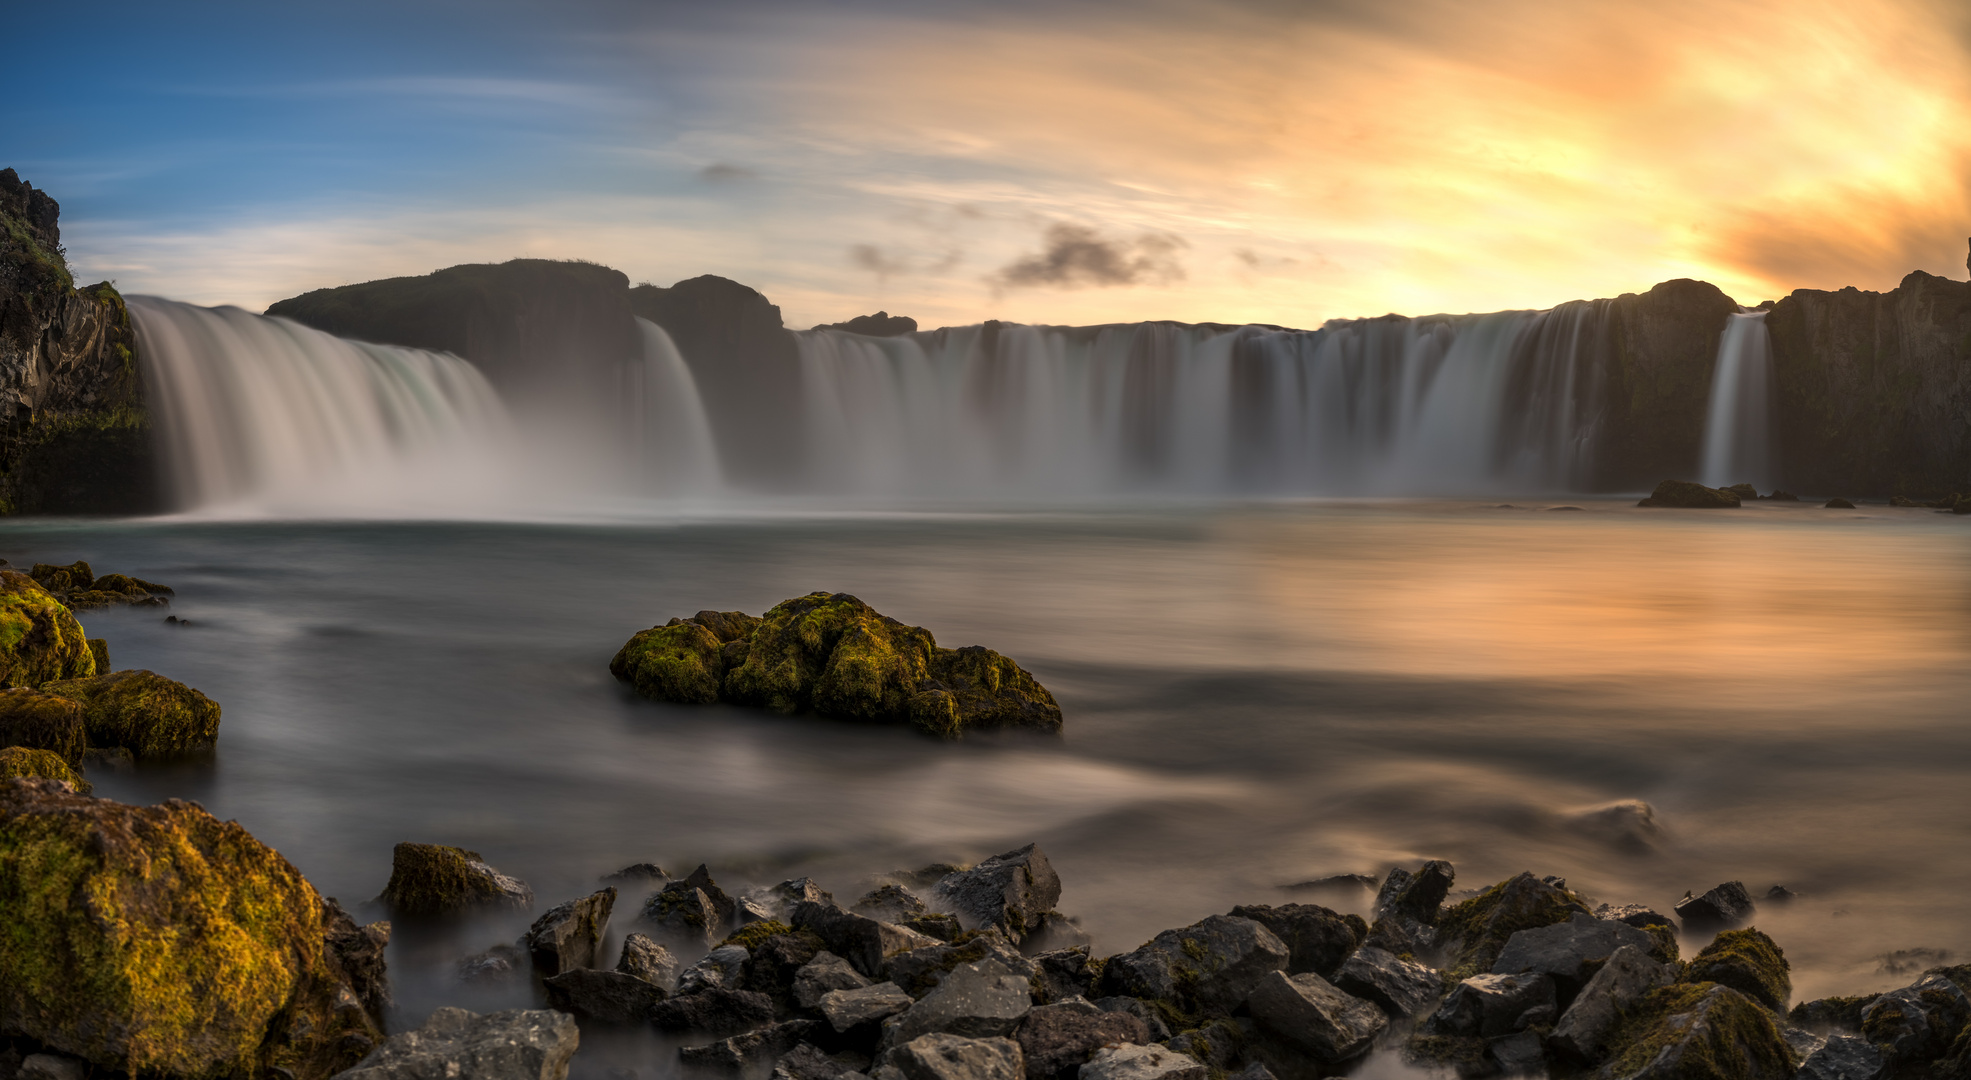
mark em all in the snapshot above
pixel 100 649
pixel 1699 1032
pixel 43 721
pixel 1747 961
pixel 433 879
pixel 679 661
pixel 1476 930
pixel 143 712
pixel 40 640
pixel 75 577
pixel 1691 496
pixel 45 764
pixel 754 934
pixel 161 941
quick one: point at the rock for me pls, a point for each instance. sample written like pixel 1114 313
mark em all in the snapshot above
pixel 776 965
pixel 724 966
pixel 1348 885
pixel 1919 1022
pixel 1585 1028
pixel 952 1057
pixel 1488 1006
pixel 1783 496
pixel 649 961
pixel 726 908
pixel 747 910
pixel 42 642
pixel 1688 495
pixel 100 649
pixel 637 874
pixel 683 913
pixel 1063 973
pixel 1701 1032
pixel 807 1062
pixel 881 324
pixel 844 1009
pixel 1780 894
pixel 432 879
pixel 1009 891
pixel 890 904
pixel 570 934
pixel 360 950
pixel 1399 987
pixel 1726 905
pixel 862 941
pixel 781 899
pixel 822 975
pixel 1519 1054
pixel 1568 951
pixel 945 926
pixel 193 940
pixel 1207 968
pixel 1824 1015
pixel 43 764
pixel 833 655
pixel 1637 915
pixel 1314 1016
pixel 143 712
pixel 52 1067
pixel 1057 1039
pixel 112 589
pixel 33 720
pixel 1748 962
pixel 1474 932
pixel 1843 1057
pixel 1142 1063
pixel 1838 504
pixel 1219 1043
pixel 1051 933
pixel 717 1009
pixel 1416 896
pixel 1629 826
pixel 1317 939
pixel 518 1044
pixel 751 1051
pixel 1141 1010
pixel 976 1000
pixel 495 965
pixel 1254 1071
pixel 610 997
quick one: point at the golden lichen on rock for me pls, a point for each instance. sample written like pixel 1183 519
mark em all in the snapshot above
pixel 143 712
pixel 435 879
pixel 40 639
pixel 1476 930
pixel 43 764
pixel 160 940
pixel 43 721
pixel 1749 962
pixel 1700 1031
pixel 834 655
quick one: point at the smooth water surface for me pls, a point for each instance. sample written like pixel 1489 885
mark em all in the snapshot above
pixel 1255 696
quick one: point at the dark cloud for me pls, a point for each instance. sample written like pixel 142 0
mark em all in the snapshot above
pixel 872 258
pixel 721 173
pixel 1077 255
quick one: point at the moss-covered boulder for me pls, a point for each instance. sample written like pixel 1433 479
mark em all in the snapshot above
pixel 44 764
pixel 1748 962
pixel 77 586
pixel 1699 1032
pixel 159 940
pixel 40 640
pixel 143 712
pixel 1691 496
pixel 834 655
pixel 75 577
pixel 1474 932
pixel 433 879
pixel 42 721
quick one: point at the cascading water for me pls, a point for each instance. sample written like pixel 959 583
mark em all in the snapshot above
pixel 1738 425
pixel 1451 404
pixel 673 438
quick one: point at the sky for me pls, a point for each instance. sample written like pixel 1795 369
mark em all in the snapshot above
pixel 1062 162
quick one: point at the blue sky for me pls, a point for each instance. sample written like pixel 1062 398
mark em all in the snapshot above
pixel 1073 162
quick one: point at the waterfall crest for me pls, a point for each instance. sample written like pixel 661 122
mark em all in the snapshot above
pixel 1738 424
pixel 672 438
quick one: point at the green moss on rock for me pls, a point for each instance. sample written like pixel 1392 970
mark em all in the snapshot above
pixel 161 941
pixel 40 640
pixel 754 934
pixel 1476 930
pixel 99 648
pixel 42 721
pixel 680 661
pixel 143 712
pixel 434 879
pixel 1699 1032
pixel 1747 961
pixel 45 764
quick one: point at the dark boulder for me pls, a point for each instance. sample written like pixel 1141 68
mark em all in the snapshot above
pixel 1204 969
pixel 1064 973
pixel 1416 896
pixel 848 1009
pixel 890 904
pixel 1317 939
pixel 1690 496
pixel 749 1052
pixel 1918 1023
pixel 716 1010
pixel 1700 1032
pixel 143 712
pixel 1830 1014
pixel 1639 916
pixel 977 1000
pixel 1401 988
pixel 1010 891
pixel 42 642
pixel 1843 1057
pixel 1314 1016
pixel 432 879
pixel 1473 932
pixel 1488 1006
pixel 1726 905
pixel 609 997
pixel 939 1056
pixel 1748 962
pixel 1584 1030
pixel 724 967
pixel 1569 951
pixel 823 974
pixel 777 963
pixel 51 723
pixel 1838 504
pixel 1057 1040
pixel 881 324
pixel 42 764
pixel 649 961
pixel 862 941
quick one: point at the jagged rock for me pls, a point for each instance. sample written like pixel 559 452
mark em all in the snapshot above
pixel 726 908
pixel 518 1044
pixel 649 961
pixel 570 934
pixel 1568 951
pixel 808 1062
pixel 940 1056
pixel 637 874
pixel 862 941
pixel 1208 967
pixel 750 1051
pixel 1314 1016
pixel 1063 973
pixel 1585 1027
pixel 1701 1032
pixel 1748 962
pixel 1317 939
pixel 1918 1022
pixel 781 899
pixel 1220 1043
pixel 177 900
pixel 1416 896
pixel 1639 916
pixel 1727 905
pixel 1843 1057
pixel 822 975
pixel 1488 1006
pixel 432 879
pixel 1824 1015
pixel 716 1010
pixel 682 913
pixel 143 712
pixel 777 963
pixel 495 965
pixel 52 1067
pixel 1141 1010
pixel 1142 1063
pixel 941 925
pixel 1009 891
pixel 881 324
pixel 33 720
pixel 106 591
pixel 360 949
pixel 844 1009
pixel 746 910
pixel 1473 932
pixel 1690 496
pixel 724 966
pixel 1057 1039
pixel 890 904
pixel 976 1000
pixel 1399 987
pixel 42 764
pixel 1780 894
pixel 1519 1054
pixel 611 997
pixel 1052 932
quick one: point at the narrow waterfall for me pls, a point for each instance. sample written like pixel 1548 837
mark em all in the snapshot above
pixel 1443 405
pixel 672 437
pixel 1738 425
pixel 263 415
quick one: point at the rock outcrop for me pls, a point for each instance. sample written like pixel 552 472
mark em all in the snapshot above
pixel 834 655
pixel 40 764
pixel 881 324
pixel 1690 495
pixel 40 639
pixel 518 1044
pixel 142 712
pixel 433 879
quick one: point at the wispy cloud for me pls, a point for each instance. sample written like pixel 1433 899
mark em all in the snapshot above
pixel 1076 255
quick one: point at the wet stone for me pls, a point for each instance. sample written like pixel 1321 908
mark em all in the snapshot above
pixel 1488 1006
pixel 826 972
pixel 1317 939
pixel 919 970
pixel 683 913
pixel 610 997
pixel 1519 1054
pixel 569 935
pixel 1566 950
pixel 1209 966
pixel 1142 1063
pixel 845 1009
pixel 938 1056
pixel 864 942
pixel 649 961
pixel 1727 905
pixel 1843 1057
pixel 716 1010
pixel 976 1000
pixel 1310 1013
pixel 1062 974
pixel 1010 891
pixel 724 966
pixel 751 1051
pixel 1058 1039
pixel 1585 1027
pixel 1399 987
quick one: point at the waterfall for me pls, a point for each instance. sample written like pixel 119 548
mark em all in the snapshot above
pixel 671 435
pixel 263 415
pixel 1738 424
pixel 1442 405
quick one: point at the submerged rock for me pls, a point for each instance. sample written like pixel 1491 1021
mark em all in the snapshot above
pixel 1838 504
pixel 1726 905
pixel 518 1044
pixel 40 641
pixel 1689 495
pixel 433 879
pixel 44 764
pixel 143 712
pixel 834 655
pixel 194 943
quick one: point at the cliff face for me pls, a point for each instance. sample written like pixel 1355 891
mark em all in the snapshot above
pixel 1875 388
pixel 1662 346
pixel 74 432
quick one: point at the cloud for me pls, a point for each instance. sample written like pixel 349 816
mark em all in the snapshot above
pixel 720 172
pixel 1077 255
